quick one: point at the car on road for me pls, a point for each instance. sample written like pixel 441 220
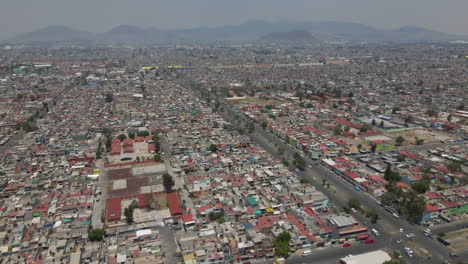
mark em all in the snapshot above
pixel 353 210
pixel 427 232
pixel 401 230
pixel 375 232
pixel 410 235
pixel 409 252
pixel 399 241
pixel 346 245
pixel 306 253
pixel 369 241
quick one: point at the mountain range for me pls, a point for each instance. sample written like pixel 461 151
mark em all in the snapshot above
pixel 252 31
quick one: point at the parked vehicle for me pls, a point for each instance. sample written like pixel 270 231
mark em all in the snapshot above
pixel 375 232
pixel 346 245
pixel 369 241
pixel 443 241
pixel 306 253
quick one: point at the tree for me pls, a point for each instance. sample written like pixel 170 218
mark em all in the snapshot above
pixel 363 129
pixel 388 198
pixel 337 130
pixel 359 146
pixel 281 244
pixel 280 151
pixel 419 141
pixel 454 167
pixel 415 208
pixel 168 182
pixel 400 139
pixel 382 124
pixel 388 173
pixel 373 216
pixel 96 234
pixel 354 203
pixel 373 122
pixel 346 210
pixel 128 215
pixel 28 127
pixel 304 181
pixel 109 97
pixel 121 137
pixel 449 118
pixel 432 112
pixel 286 163
pixel 213 148
pixel 138 158
pixel 264 124
pixel 420 187
pixel 373 147
pixel 157 157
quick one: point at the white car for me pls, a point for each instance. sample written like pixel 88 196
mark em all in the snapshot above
pixel 306 253
pixel 354 210
pixel 401 230
pixel 399 241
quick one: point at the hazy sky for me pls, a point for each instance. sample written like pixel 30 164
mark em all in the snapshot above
pixel 19 16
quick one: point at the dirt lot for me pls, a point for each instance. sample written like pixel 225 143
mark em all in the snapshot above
pixel 410 135
pixel 458 239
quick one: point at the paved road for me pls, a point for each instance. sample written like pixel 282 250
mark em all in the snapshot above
pixel 99 206
pixel 388 226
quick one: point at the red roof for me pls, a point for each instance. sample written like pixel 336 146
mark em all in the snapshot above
pixel 432 195
pixel 174 204
pixel 139 139
pixel 441 168
pixel 351 174
pixel 431 208
pixel 401 184
pixel 409 155
pixel 204 208
pixel 113 209
pixel 449 204
pixel 188 218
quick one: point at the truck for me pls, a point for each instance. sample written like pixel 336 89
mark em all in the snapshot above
pixel 362 237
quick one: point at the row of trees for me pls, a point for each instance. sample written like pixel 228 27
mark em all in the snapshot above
pixel 299 161
pixel 354 203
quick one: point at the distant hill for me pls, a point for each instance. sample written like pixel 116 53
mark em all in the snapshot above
pixel 53 34
pixel 246 32
pixel 295 36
